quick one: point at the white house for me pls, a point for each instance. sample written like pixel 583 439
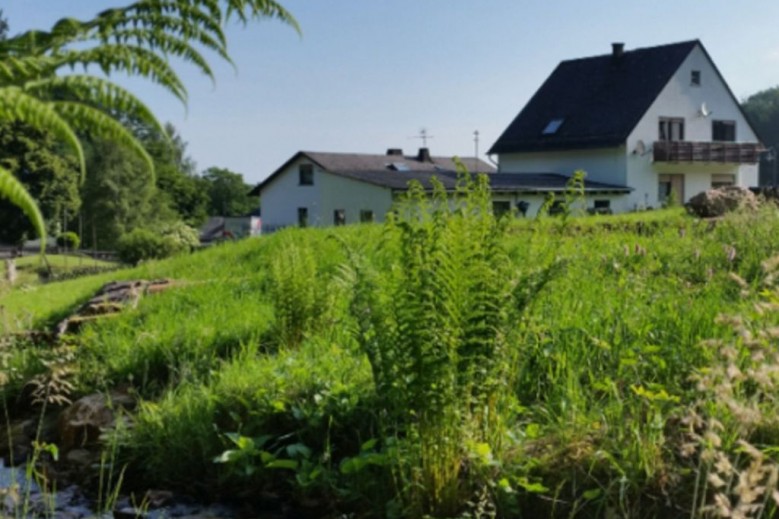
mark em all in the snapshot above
pixel 322 189
pixel 653 121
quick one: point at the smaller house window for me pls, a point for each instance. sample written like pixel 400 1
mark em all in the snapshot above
pixel 303 216
pixel 718 181
pixel 553 126
pixel 501 207
pixel 695 78
pixel 601 207
pixel 723 131
pixel 671 129
pixel 306 175
pixel 366 216
pixel 339 217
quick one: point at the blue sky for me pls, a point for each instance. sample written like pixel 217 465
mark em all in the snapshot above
pixel 367 75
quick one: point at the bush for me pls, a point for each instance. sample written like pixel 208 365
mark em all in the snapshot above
pixel 182 236
pixel 68 240
pixel 143 244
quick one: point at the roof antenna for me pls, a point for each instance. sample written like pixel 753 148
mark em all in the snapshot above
pixel 422 135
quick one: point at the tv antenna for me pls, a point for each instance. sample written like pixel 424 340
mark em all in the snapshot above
pixel 422 135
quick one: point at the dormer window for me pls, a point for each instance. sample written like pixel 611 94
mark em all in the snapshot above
pixel 306 175
pixel 553 126
pixel 695 78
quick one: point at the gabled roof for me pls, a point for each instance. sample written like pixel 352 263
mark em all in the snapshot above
pixel 600 100
pixel 392 171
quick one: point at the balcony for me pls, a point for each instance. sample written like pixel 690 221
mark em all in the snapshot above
pixel 716 152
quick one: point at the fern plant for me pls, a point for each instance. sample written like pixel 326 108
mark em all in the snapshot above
pixel 437 328
pixel 138 40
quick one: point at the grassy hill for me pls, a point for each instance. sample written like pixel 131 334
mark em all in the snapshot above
pixel 454 365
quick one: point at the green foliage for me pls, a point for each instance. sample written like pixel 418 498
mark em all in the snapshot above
pixel 35 160
pixel 182 237
pixel 137 39
pixel 142 245
pixel 68 240
pixel 227 193
pixel 436 329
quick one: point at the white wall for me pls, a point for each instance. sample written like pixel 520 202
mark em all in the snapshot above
pixel 281 198
pixel 537 200
pixel 679 98
pixel 602 165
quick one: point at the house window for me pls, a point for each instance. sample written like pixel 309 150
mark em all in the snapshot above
pixel 501 207
pixel 600 207
pixel 557 207
pixel 718 181
pixel 724 131
pixel 671 129
pixel 303 216
pixel 695 78
pixel 306 175
pixel 366 216
pixel 670 189
pixel 339 217
pixel 553 126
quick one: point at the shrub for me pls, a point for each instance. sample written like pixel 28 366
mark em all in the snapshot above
pixel 68 240
pixel 143 244
pixel 182 236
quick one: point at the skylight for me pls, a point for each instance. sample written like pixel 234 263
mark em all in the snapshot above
pixel 400 166
pixel 553 126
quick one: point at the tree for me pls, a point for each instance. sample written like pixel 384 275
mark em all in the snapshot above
pixel 34 159
pixel 137 39
pixel 227 193
pixel 762 109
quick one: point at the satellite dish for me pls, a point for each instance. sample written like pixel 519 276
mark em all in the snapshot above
pixel 640 148
pixel 704 111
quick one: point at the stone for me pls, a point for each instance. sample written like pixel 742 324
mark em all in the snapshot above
pixel 717 202
pixel 81 424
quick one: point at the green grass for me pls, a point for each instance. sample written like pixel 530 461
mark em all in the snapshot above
pixel 596 381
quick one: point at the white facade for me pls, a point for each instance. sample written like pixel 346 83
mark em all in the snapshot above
pixel 680 98
pixel 632 164
pixel 284 196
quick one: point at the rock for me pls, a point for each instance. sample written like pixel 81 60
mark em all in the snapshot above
pixel 80 424
pixel 717 202
pixel 82 457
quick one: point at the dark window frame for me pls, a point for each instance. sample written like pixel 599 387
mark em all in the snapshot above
pixel 723 131
pixel 306 175
pixel 366 216
pixel 303 216
pixel 666 127
pixel 695 78
pixel 339 217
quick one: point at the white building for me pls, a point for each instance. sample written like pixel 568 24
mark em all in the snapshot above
pixel 653 121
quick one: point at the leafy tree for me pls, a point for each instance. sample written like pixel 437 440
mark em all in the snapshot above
pixel 137 39
pixel 120 198
pixel 182 190
pixel 762 109
pixel 227 193
pixel 34 159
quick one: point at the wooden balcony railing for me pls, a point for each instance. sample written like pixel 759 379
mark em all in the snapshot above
pixel 720 152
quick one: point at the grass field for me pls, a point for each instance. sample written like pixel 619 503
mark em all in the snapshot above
pixel 449 366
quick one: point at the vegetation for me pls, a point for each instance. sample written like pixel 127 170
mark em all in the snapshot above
pixel 448 364
pixel 137 39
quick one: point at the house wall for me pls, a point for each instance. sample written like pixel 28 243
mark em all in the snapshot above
pixel 537 200
pixel 281 198
pixel 679 98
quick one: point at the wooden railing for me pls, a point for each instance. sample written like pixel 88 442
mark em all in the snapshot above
pixel 721 152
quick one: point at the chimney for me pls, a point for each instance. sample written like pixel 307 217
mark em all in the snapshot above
pixel 394 152
pixel 617 50
pixel 424 155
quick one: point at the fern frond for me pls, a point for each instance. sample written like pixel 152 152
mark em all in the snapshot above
pixel 131 59
pixel 96 92
pixel 16 105
pixel 99 124
pixel 13 190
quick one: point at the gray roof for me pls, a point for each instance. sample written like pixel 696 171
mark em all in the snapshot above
pixel 379 170
pixel 392 171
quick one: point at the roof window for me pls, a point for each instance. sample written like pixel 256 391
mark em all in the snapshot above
pixel 553 126
pixel 400 166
